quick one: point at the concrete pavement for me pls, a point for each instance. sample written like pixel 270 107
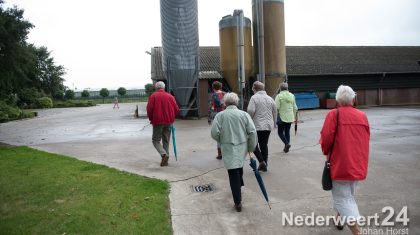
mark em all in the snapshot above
pixel 113 137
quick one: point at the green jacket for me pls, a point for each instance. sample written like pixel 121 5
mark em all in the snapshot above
pixel 236 133
pixel 286 106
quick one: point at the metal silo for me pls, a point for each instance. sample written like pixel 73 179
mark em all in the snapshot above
pixel 180 61
pixel 229 55
pixel 274 42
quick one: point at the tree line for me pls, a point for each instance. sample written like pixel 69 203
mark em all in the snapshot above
pixel 27 72
pixel 29 75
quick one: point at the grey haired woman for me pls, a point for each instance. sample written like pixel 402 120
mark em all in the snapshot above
pixel 345 138
pixel 236 133
pixel 263 112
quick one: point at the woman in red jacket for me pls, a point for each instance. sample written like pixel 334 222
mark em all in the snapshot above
pixel 347 140
pixel 216 106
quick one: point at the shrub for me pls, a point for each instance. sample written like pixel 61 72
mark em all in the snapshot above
pixel 69 94
pixel 149 89
pixel 85 93
pixel 73 103
pixel 11 100
pixel 9 113
pixel 3 117
pixel 59 95
pixel 28 114
pixel 28 97
pixel 44 103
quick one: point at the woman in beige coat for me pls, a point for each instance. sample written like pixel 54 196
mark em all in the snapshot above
pixel 263 112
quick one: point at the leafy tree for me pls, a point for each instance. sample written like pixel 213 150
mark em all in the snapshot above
pixel 149 89
pixel 28 97
pixel 69 94
pixel 85 93
pixel 59 95
pixel 15 57
pixel 50 75
pixel 24 65
pixel 104 93
pixel 122 91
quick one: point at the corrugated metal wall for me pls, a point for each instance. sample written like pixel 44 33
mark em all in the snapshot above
pixel 180 61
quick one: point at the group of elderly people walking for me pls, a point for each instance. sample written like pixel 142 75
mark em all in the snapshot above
pixel 344 137
pixel 239 132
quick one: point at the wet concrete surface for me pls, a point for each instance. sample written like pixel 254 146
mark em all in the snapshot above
pixel 115 138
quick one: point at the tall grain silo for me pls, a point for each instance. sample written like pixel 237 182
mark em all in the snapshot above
pixel 274 43
pixel 229 60
pixel 180 61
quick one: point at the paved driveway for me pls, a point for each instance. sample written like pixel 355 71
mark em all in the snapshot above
pixel 113 137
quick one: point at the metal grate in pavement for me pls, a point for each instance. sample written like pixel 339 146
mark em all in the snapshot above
pixel 202 188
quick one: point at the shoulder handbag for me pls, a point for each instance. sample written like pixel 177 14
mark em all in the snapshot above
pixel 326 174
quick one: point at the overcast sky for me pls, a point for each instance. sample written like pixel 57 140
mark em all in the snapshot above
pixel 102 43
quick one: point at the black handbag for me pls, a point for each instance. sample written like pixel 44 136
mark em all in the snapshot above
pixel 326 174
pixel 326 177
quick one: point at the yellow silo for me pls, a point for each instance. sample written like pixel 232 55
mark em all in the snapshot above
pixel 273 41
pixel 274 44
pixel 229 60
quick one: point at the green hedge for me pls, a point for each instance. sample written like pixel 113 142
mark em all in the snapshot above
pixel 73 103
pixel 10 113
pixel 44 103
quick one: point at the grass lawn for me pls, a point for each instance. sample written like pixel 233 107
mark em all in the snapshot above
pixel 44 193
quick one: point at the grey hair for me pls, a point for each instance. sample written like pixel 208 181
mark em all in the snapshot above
pixel 160 85
pixel 258 86
pixel 345 95
pixel 231 98
pixel 284 86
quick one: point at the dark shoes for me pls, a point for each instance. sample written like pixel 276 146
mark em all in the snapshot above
pixel 286 148
pixel 219 154
pixel 262 167
pixel 165 159
pixel 339 227
pixel 238 207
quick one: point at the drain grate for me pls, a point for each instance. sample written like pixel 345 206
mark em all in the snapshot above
pixel 202 188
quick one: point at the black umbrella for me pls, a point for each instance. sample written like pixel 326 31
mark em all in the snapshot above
pixel 260 181
pixel 296 122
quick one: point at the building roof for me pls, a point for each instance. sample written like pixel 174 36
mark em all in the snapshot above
pixel 350 60
pixel 317 60
pixel 209 63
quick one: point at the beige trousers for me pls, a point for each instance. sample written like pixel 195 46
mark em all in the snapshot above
pixel 161 133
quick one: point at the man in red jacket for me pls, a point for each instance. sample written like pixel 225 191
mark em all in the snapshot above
pixel 161 110
pixel 345 138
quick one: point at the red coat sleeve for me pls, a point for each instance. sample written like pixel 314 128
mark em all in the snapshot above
pixel 150 107
pixel 176 108
pixel 328 132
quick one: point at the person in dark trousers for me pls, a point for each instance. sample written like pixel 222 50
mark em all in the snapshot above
pixel 161 110
pixel 287 109
pixel 216 106
pixel 263 112
pixel 236 133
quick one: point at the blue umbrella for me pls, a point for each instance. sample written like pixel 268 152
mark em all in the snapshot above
pixel 260 181
pixel 174 141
